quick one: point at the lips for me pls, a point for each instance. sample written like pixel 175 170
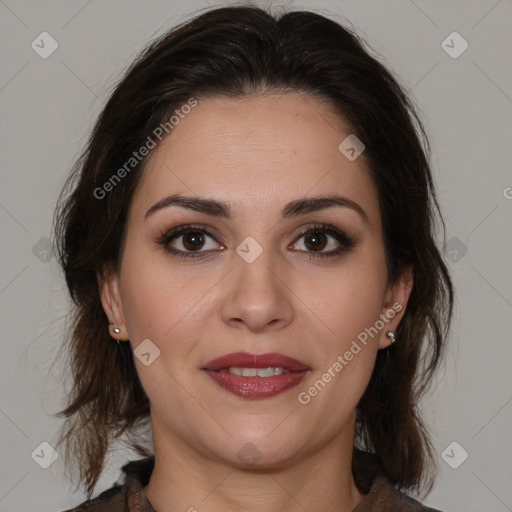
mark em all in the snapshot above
pixel 255 387
pixel 246 360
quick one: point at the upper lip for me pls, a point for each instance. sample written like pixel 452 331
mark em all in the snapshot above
pixel 246 360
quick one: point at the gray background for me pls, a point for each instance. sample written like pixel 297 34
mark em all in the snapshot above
pixel 48 107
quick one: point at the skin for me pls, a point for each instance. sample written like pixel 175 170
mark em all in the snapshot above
pixel 255 153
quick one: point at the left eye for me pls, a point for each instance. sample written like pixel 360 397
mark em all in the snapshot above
pixel 317 240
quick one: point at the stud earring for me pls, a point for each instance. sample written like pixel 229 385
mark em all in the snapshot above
pixel 391 336
pixel 115 330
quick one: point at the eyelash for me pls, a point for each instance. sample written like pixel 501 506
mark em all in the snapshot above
pixel 342 238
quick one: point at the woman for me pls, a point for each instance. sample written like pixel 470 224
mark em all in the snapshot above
pixel 249 241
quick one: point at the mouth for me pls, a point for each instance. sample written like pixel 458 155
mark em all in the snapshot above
pixel 256 376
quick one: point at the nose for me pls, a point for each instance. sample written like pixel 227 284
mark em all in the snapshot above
pixel 258 297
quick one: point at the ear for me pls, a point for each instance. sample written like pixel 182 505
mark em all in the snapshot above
pixel 108 283
pixel 395 302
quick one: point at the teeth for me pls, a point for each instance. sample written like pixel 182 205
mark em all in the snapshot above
pixel 257 372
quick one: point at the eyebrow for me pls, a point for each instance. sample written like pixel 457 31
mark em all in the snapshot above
pixel 290 210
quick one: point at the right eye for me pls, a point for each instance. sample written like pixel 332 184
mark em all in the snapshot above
pixel 187 240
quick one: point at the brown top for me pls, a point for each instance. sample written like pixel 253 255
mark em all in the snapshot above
pixel 380 495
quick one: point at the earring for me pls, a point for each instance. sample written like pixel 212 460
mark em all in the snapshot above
pixel 391 336
pixel 116 330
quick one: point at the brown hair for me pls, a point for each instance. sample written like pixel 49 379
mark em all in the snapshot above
pixel 235 52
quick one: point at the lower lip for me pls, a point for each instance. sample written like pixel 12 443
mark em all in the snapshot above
pixel 256 387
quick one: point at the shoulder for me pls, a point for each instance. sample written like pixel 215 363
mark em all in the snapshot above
pixel 384 497
pixel 124 497
pixel 111 500
pixel 380 494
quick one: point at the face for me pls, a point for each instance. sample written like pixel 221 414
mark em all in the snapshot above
pixel 255 275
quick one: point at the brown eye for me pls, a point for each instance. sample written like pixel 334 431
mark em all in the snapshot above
pixel 193 240
pixel 323 240
pixel 189 241
pixel 315 241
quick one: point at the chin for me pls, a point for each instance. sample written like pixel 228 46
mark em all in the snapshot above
pixel 252 452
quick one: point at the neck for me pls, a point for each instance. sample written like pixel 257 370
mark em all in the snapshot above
pixel 185 480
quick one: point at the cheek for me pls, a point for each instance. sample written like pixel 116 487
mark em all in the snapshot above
pixel 350 301
pixel 350 345
pixel 349 306
pixel 348 357
pixel 158 298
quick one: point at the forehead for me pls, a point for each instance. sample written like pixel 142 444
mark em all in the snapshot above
pixel 256 152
